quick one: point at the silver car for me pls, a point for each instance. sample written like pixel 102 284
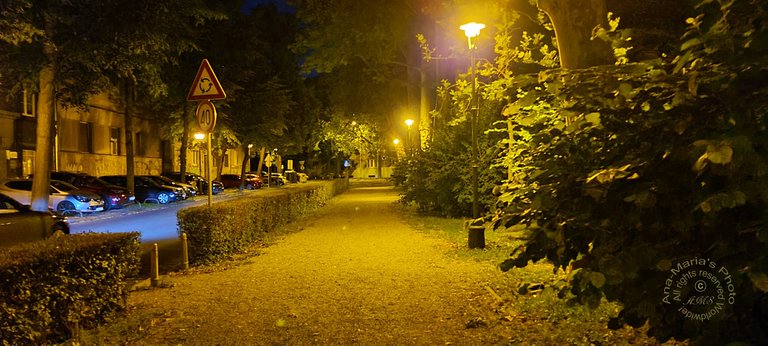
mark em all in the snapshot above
pixel 64 197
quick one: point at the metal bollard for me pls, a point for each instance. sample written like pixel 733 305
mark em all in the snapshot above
pixel 153 267
pixel 184 251
pixel 476 237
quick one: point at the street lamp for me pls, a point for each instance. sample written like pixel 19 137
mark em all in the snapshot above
pixel 199 136
pixel 472 30
pixel 249 156
pixel 409 123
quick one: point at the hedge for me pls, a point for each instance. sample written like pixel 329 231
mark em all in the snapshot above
pixel 227 228
pixel 51 288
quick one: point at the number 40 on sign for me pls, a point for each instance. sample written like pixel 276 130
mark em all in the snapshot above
pixel 206 116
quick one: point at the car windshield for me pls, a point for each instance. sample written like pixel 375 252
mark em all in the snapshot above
pixel 95 181
pixel 163 179
pixel 63 186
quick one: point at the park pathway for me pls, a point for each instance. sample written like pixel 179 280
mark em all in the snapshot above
pixel 355 272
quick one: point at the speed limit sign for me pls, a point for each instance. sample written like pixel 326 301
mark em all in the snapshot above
pixel 206 116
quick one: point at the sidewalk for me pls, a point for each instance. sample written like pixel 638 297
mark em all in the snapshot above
pixel 354 273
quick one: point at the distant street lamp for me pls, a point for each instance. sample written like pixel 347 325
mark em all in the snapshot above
pixel 472 30
pixel 409 123
pixel 199 136
pixel 249 156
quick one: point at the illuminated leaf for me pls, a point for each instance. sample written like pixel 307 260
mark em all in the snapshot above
pixel 720 154
pixel 597 279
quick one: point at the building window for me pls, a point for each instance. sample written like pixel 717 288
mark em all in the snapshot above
pixel 226 159
pixel 29 102
pixel 138 145
pixel 114 141
pixel 85 141
pixel 196 158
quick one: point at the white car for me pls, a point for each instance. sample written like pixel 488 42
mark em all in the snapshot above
pixel 64 197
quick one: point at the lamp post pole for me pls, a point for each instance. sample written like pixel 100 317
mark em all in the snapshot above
pixel 409 123
pixel 473 30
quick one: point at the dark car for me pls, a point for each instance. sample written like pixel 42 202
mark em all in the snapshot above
pixel 147 190
pixel 251 181
pixel 200 182
pixel 114 196
pixel 189 189
pixel 19 224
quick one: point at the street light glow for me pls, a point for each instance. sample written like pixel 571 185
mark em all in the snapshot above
pixel 250 146
pixel 396 141
pixel 199 136
pixel 409 122
pixel 472 29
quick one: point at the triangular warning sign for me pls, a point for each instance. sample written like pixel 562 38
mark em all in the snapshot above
pixel 206 86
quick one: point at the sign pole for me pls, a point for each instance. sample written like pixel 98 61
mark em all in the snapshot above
pixel 208 169
pixel 206 87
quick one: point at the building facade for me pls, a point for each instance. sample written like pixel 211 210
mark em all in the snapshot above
pixel 92 140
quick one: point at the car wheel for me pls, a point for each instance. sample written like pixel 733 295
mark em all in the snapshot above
pixel 163 198
pixel 65 206
pixel 249 186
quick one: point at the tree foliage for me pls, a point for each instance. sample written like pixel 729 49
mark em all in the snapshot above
pixel 621 172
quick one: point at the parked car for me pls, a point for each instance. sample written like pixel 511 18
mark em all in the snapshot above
pixel 275 179
pixel 147 190
pixel 20 224
pixel 252 181
pixel 63 197
pixel 201 183
pixel 189 189
pixel 113 196
pixel 303 177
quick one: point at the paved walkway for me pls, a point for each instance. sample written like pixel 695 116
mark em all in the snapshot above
pixel 354 273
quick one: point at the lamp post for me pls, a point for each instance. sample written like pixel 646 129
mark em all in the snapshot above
pixel 396 142
pixel 409 123
pixel 249 156
pixel 200 136
pixel 472 30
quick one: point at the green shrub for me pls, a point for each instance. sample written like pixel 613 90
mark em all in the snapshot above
pixel 229 227
pixel 50 288
pixel 623 172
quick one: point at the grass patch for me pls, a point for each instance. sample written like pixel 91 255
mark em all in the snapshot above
pixel 536 315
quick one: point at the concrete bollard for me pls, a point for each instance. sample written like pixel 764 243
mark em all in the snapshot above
pixel 476 237
pixel 154 267
pixel 184 251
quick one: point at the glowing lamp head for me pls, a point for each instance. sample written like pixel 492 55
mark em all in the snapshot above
pixel 409 122
pixel 199 136
pixel 250 146
pixel 472 29
pixel 396 141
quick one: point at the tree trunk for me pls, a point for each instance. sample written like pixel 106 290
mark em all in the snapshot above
pixel 246 158
pixel 127 98
pixel 221 161
pixel 261 160
pixel 184 141
pixel 45 103
pixel 573 21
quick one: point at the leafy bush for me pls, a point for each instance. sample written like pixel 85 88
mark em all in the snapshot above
pixel 51 288
pixel 438 179
pixel 629 175
pixel 230 227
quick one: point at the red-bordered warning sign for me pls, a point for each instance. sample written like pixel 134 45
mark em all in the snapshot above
pixel 206 86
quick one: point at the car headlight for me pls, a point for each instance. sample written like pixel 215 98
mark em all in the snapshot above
pixel 82 198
